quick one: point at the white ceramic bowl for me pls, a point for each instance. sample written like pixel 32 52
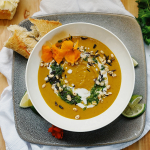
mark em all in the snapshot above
pixel 127 83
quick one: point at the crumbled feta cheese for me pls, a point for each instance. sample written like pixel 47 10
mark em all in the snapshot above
pixel 60 89
pixel 102 83
pixel 109 93
pixel 103 72
pixel 45 64
pixel 106 69
pixel 104 62
pixel 41 64
pixel 76 63
pixel 46 79
pixel 94 103
pixel 100 58
pixel 66 81
pixel 77 117
pixel 102 52
pixel 44 85
pixel 90 60
pixel 68 97
pixel 109 61
pixel 69 71
pixel 108 86
pixel 51 75
pixel 57 77
pixel 92 52
pixel 81 48
pixel 53 86
pixel 73 85
pixel 74 93
pixel 114 75
pixel 112 55
pixel 99 96
pixel 97 82
pixel 58 84
pixel 75 109
pixel 83 56
pixel 104 57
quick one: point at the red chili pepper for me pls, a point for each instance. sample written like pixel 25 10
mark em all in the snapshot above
pixel 56 132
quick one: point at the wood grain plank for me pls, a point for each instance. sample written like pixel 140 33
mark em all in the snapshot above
pixel 142 144
pixel 25 9
pixel 3 82
pixel 131 6
pixel 2 143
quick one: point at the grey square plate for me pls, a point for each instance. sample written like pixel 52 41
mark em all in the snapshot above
pixel 34 129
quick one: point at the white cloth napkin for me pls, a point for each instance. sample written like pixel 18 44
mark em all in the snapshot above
pixel 11 137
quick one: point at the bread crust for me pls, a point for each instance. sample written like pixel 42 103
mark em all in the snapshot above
pixel 17 45
pixel 23 41
pixel 5 14
pixel 44 26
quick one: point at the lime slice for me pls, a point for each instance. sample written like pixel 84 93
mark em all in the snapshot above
pixel 25 101
pixel 135 111
pixel 135 99
pixel 135 63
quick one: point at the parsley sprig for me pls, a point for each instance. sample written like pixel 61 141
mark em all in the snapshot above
pixel 144 19
pixel 94 93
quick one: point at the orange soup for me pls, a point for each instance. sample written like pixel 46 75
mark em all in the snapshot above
pixel 82 89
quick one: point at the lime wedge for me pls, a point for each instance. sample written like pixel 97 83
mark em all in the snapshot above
pixel 135 99
pixel 135 63
pixel 135 111
pixel 25 101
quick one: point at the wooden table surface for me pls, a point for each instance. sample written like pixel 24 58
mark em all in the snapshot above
pixel 26 9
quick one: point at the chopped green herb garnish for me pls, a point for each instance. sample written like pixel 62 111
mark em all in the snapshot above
pixel 84 108
pixel 94 93
pixel 95 60
pixel 102 67
pixel 59 41
pixel 74 99
pixel 144 19
pixel 85 59
pixel 57 69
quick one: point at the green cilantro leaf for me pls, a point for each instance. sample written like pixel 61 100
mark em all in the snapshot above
pixel 144 19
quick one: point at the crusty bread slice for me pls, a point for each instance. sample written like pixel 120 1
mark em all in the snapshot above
pixel 17 45
pixel 6 14
pixel 8 9
pixel 35 32
pixel 44 26
pixel 21 40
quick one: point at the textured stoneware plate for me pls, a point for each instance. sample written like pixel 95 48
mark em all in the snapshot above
pixel 34 128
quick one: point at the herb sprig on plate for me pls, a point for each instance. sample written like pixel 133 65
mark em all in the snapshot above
pixel 94 93
pixel 144 19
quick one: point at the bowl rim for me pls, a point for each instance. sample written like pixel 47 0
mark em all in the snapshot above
pixel 89 129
